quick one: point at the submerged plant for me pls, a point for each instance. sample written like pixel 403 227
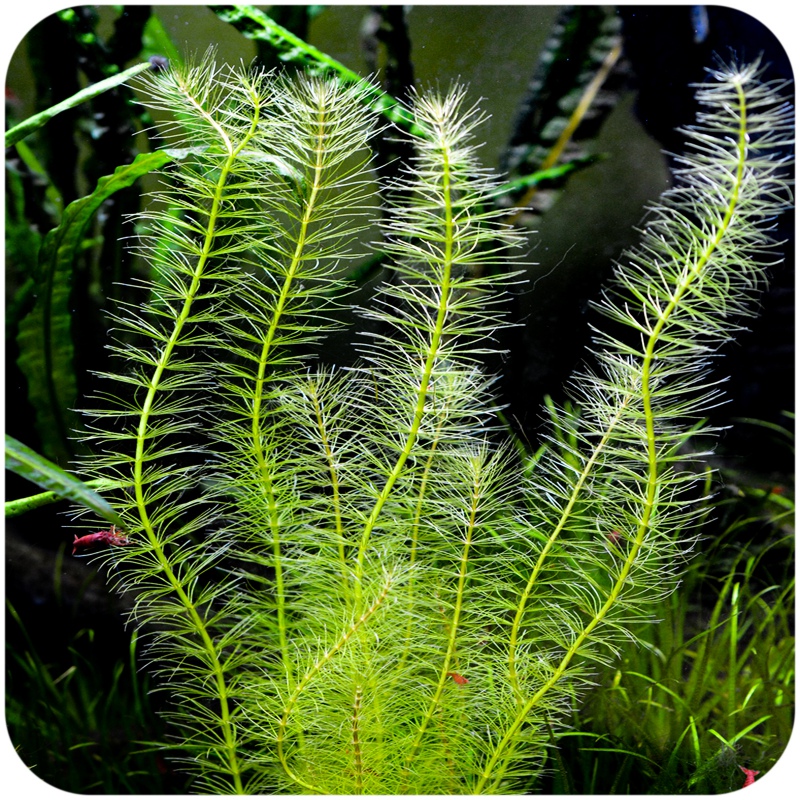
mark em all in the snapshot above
pixel 349 583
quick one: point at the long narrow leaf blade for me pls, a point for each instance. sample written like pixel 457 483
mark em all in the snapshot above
pixel 254 24
pixel 28 126
pixel 28 464
pixel 45 335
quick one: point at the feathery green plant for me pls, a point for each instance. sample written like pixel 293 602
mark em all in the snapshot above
pixel 349 584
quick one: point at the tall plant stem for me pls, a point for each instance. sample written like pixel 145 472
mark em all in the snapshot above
pixel 322 429
pixel 312 673
pixel 412 553
pixel 691 275
pixel 546 550
pixel 198 623
pixel 450 650
pixel 262 377
pixel 427 371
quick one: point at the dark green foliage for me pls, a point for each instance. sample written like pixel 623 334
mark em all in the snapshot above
pixel 564 106
pixel 80 728
pixel 45 338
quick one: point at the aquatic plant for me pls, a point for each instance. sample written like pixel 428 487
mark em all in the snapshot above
pixel 348 582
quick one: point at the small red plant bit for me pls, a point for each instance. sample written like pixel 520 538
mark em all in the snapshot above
pixel 459 679
pixel 750 776
pixel 101 537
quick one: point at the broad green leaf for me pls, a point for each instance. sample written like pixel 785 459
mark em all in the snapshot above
pixel 28 464
pixel 29 158
pixel 45 336
pixel 253 23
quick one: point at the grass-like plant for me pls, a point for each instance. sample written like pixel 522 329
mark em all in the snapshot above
pixel 72 725
pixel 349 583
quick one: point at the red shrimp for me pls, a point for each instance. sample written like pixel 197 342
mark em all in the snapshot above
pixel 101 537
pixel 459 679
pixel 614 537
pixel 750 776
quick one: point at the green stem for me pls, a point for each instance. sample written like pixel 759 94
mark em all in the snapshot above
pixel 14 508
pixel 355 740
pixel 450 650
pixel 322 429
pixel 540 562
pixel 261 380
pixel 415 530
pixel 427 372
pixel 648 504
pixel 175 581
pixel 312 673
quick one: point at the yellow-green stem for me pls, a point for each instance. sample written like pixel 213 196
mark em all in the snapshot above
pixel 506 741
pixel 412 553
pixel 198 623
pixel 450 651
pixel 540 562
pixel 355 739
pixel 427 371
pixel 312 673
pixel 322 429
pixel 260 382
